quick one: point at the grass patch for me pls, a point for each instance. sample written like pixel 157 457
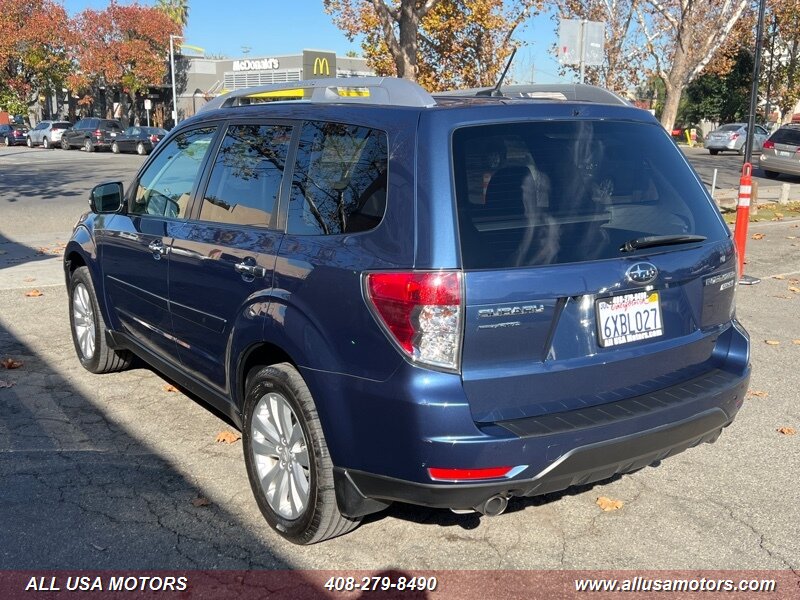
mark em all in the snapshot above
pixel 769 211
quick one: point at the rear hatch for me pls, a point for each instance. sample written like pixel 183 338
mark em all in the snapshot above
pixel 596 267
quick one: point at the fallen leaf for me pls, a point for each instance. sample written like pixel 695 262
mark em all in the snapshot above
pixel 228 437
pixel 796 342
pixel 783 297
pixel 170 388
pixel 758 236
pixel 6 384
pixel 29 279
pixel 786 430
pixel 34 294
pixel 772 342
pixel 778 216
pixel 10 363
pixel 794 289
pixel 791 237
pixel 757 393
pixel 607 504
pixel 781 277
pixel 200 501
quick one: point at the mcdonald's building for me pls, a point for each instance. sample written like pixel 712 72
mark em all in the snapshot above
pixel 200 79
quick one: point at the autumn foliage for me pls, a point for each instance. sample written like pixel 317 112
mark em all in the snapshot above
pixel 124 47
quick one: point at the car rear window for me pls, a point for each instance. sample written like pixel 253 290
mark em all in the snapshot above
pixel 787 135
pixel 570 191
pixel 734 127
pixel 60 126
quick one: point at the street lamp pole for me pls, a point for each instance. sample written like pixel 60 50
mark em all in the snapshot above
pixel 172 72
pixel 748 153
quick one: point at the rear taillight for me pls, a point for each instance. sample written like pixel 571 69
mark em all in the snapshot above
pixel 98 133
pixel 154 138
pixel 769 144
pixel 734 136
pixel 421 312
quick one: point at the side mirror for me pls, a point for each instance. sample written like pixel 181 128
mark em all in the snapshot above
pixel 106 197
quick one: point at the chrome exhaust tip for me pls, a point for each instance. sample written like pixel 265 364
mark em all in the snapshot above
pixel 494 506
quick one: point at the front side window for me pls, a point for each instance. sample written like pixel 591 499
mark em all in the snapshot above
pixel 246 177
pixel 165 188
pixel 339 182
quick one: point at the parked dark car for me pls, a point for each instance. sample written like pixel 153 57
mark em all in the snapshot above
pixel 13 134
pixel 141 140
pixel 91 134
pixel 781 153
pixel 47 133
pixel 441 300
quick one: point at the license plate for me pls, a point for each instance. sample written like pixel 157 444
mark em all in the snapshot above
pixel 629 318
pixel 113 134
pixel 784 153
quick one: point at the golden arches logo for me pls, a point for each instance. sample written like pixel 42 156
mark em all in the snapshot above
pixel 321 66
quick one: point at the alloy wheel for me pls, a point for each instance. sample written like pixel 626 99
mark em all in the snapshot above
pixel 280 454
pixel 83 319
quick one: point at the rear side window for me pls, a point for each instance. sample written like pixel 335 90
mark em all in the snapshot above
pixel 787 135
pixel 732 127
pixel 339 182
pixel 60 125
pixel 570 191
pixel 246 176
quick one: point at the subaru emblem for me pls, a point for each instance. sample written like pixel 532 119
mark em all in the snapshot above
pixel 641 273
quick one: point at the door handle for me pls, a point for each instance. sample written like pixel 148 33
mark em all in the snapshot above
pixel 248 268
pixel 158 249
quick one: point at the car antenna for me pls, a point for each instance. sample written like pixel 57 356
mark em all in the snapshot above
pixel 495 91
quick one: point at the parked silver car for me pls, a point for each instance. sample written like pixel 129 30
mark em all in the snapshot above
pixel 733 137
pixel 47 133
pixel 781 152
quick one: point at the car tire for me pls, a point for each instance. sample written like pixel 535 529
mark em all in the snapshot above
pixel 140 149
pixel 771 174
pixel 115 148
pixel 29 142
pixel 713 152
pixel 65 144
pixel 45 143
pixel 275 448
pixel 89 328
pixel 740 151
pixel 88 146
pixel 7 141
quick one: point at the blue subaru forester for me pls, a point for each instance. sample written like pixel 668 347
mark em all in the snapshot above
pixel 447 301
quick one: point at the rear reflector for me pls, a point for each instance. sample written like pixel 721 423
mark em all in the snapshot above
pixel 468 474
pixel 421 311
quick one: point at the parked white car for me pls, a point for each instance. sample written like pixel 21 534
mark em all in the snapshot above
pixel 47 133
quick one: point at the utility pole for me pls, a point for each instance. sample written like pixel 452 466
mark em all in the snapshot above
pixel 751 119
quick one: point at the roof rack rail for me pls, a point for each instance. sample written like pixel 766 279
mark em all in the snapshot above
pixel 576 92
pixel 363 90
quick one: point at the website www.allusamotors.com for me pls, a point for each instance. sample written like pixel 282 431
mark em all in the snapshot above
pixel 646 584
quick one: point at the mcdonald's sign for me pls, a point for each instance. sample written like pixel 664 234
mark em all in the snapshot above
pixel 318 64
pixel 322 66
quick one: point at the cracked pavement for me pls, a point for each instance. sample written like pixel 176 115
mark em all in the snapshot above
pixel 99 472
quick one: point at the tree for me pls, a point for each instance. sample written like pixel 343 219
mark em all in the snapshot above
pixel 398 22
pixel 724 99
pixel 459 43
pixel 782 54
pixel 33 59
pixel 682 37
pixel 176 10
pixel 123 48
pixel 623 64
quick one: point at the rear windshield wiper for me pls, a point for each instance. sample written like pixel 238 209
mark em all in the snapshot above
pixel 660 240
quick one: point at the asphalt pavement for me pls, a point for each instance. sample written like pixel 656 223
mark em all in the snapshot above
pixel 107 472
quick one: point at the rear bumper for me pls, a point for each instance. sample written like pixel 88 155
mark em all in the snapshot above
pixel 359 493
pixel 770 162
pixel 590 445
